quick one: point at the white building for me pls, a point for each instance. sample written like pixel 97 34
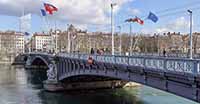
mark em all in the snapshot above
pixel 41 42
pixel 19 42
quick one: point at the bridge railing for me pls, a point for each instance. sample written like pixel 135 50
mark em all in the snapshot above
pixel 180 55
pixel 182 65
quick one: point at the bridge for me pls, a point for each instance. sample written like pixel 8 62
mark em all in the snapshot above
pixel 179 76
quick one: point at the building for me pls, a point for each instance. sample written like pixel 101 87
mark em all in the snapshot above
pixel 28 45
pixel 19 42
pixel 41 42
pixel 7 41
pixel 12 42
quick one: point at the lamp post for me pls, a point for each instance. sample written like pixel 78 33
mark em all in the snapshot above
pixel 68 40
pixel 120 40
pixel 131 46
pixel 158 49
pixel 191 43
pixel 129 21
pixel 112 26
pixel 57 32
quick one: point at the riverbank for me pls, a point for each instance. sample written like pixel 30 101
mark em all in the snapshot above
pixel 5 62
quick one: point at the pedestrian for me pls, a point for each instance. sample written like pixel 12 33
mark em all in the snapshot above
pixel 92 51
pixel 90 60
pixel 101 51
pixel 164 53
pixel 98 52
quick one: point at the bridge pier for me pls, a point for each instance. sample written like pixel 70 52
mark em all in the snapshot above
pixel 54 86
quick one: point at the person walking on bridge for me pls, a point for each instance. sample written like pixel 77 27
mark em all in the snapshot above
pixel 92 51
pixel 164 53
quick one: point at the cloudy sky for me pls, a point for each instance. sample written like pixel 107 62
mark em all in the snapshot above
pixel 94 15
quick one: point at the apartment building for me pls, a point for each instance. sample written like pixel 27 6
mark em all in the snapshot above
pixel 41 42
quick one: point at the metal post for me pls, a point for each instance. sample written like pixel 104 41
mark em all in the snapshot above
pixel 56 42
pixel 131 50
pixel 158 49
pixel 191 44
pixel 112 29
pixel 90 43
pixel 69 41
pixel 120 40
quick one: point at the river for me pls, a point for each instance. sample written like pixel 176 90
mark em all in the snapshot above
pixel 19 86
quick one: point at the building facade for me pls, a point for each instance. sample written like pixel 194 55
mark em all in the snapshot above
pixel 12 42
pixel 40 42
pixel 19 42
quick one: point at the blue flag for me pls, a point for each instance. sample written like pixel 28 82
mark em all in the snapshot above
pixel 153 17
pixel 26 33
pixel 43 12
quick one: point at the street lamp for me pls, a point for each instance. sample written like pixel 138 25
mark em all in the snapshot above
pixel 112 25
pixel 68 39
pixel 57 32
pixel 129 21
pixel 191 44
pixel 120 41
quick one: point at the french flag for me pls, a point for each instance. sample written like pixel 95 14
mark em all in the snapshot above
pixel 50 8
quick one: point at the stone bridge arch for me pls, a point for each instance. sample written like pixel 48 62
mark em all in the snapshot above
pixel 39 61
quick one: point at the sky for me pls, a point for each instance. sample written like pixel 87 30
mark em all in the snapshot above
pixel 94 15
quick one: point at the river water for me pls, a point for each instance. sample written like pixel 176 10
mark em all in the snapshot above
pixel 19 86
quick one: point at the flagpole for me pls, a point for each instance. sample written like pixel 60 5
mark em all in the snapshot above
pixel 136 40
pixel 56 50
pixel 112 27
pixel 131 39
pixel 158 44
pixel 120 41
pixel 50 33
pixel 45 23
pixel 191 43
pixel 68 39
pixel 48 23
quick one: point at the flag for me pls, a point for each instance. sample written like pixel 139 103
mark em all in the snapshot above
pixel 43 12
pixel 153 17
pixel 128 20
pixel 26 33
pixel 136 19
pixel 50 8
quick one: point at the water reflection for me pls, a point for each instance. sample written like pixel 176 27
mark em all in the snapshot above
pixel 118 96
pixel 35 78
pixel 7 75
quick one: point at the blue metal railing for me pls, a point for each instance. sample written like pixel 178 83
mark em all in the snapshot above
pixel 183 65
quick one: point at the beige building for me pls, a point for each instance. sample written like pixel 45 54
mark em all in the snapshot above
pixel 19 42
pixel 12 42
pixel 40 42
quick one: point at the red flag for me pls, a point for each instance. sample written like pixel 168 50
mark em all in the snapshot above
pixel 50 8
pixel 138 20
